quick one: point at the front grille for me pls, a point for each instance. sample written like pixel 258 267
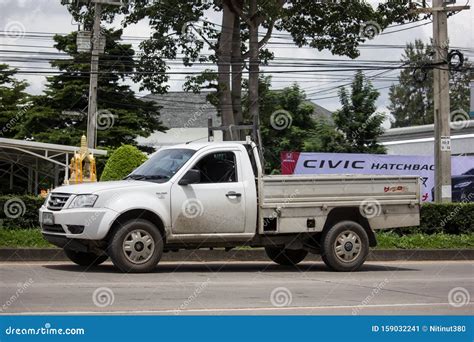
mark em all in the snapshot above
pixel 56 228
pixel 57 201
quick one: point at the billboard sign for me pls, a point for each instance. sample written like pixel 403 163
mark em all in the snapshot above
pixel 382 164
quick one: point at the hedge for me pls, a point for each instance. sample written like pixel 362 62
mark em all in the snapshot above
pixel 19 211
pixel 448 218
pixel 121 162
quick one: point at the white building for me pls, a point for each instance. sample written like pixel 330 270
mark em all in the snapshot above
pixel 419 140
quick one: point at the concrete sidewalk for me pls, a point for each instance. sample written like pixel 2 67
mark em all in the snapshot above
pixel 55 254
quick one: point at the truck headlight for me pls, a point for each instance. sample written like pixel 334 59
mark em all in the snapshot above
pixel 83 201
pixel 462 185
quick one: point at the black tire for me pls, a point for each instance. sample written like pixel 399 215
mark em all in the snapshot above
pixel 84 258
pixel 286 257
pixel 348 253
pixel 122 257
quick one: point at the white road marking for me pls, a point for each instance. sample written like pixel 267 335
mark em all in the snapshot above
pixel 288 308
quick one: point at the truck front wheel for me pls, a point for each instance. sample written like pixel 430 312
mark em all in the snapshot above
pixel 84 258
pixel 345 246
pixel 286 257
pixel 136 246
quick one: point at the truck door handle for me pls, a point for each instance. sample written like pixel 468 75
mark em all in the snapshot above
pixel 233 194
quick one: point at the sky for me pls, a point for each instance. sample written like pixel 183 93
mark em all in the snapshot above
pixel 50 16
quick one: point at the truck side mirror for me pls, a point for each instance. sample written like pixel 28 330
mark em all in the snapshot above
pixel 193 176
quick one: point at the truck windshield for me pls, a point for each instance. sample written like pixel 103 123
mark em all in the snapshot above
pixel 162 165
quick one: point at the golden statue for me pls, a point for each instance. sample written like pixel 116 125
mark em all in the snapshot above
pixel 82 167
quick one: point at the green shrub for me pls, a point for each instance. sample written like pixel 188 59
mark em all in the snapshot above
pixel 19 211
pixel 448 218
pixel 121 162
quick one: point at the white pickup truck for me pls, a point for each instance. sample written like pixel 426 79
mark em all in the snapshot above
pixel 215 195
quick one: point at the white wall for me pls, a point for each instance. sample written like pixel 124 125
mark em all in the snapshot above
pixel 460 144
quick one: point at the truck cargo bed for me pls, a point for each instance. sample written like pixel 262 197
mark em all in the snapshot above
pixel 385 201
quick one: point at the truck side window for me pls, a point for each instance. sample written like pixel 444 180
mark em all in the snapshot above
pixel 217 167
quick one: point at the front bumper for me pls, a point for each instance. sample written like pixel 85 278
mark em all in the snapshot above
pixel 81 223
pixel 63 242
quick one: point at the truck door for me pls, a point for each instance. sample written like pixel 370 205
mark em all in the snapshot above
pixel 214 205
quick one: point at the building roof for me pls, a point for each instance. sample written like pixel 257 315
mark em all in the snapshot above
pixel 187 113
pixel 184 109
pixel 424 131
pixel 39 146
pixel 21 159
pixel 181 109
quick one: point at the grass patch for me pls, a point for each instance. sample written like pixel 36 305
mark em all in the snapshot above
pixel 32 238
pixel 389 240
pixel 23 238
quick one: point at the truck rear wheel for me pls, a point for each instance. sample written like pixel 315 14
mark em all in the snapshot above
pixel 345 246
pixel 136 246
pixel 84 258
pixel 286 257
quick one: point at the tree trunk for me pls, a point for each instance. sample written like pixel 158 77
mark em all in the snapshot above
pixel 223 68
pixel 237 66
pixel 253 66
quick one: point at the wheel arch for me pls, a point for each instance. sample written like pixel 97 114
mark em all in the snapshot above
pixel 137 214
pixel 350 214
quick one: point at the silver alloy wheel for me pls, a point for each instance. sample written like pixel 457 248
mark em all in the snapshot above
pixel 347 246
pixel 138 246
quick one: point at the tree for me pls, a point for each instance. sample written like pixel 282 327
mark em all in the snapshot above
pixel 121 162
pixel 287 124
pixel 459 88
pixel 180 27
pixel 411 100
pixel 357 120
pixel 14 101
pixel 60 115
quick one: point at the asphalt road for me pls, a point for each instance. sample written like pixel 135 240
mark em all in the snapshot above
pixel 236 288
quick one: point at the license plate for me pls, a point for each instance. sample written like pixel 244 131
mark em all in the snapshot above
pixel 48 218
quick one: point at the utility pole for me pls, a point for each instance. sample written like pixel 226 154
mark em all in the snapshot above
pixel 92 109
pixel 442 117
pixel 97 48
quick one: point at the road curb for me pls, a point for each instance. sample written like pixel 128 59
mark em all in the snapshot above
pixel 55 254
